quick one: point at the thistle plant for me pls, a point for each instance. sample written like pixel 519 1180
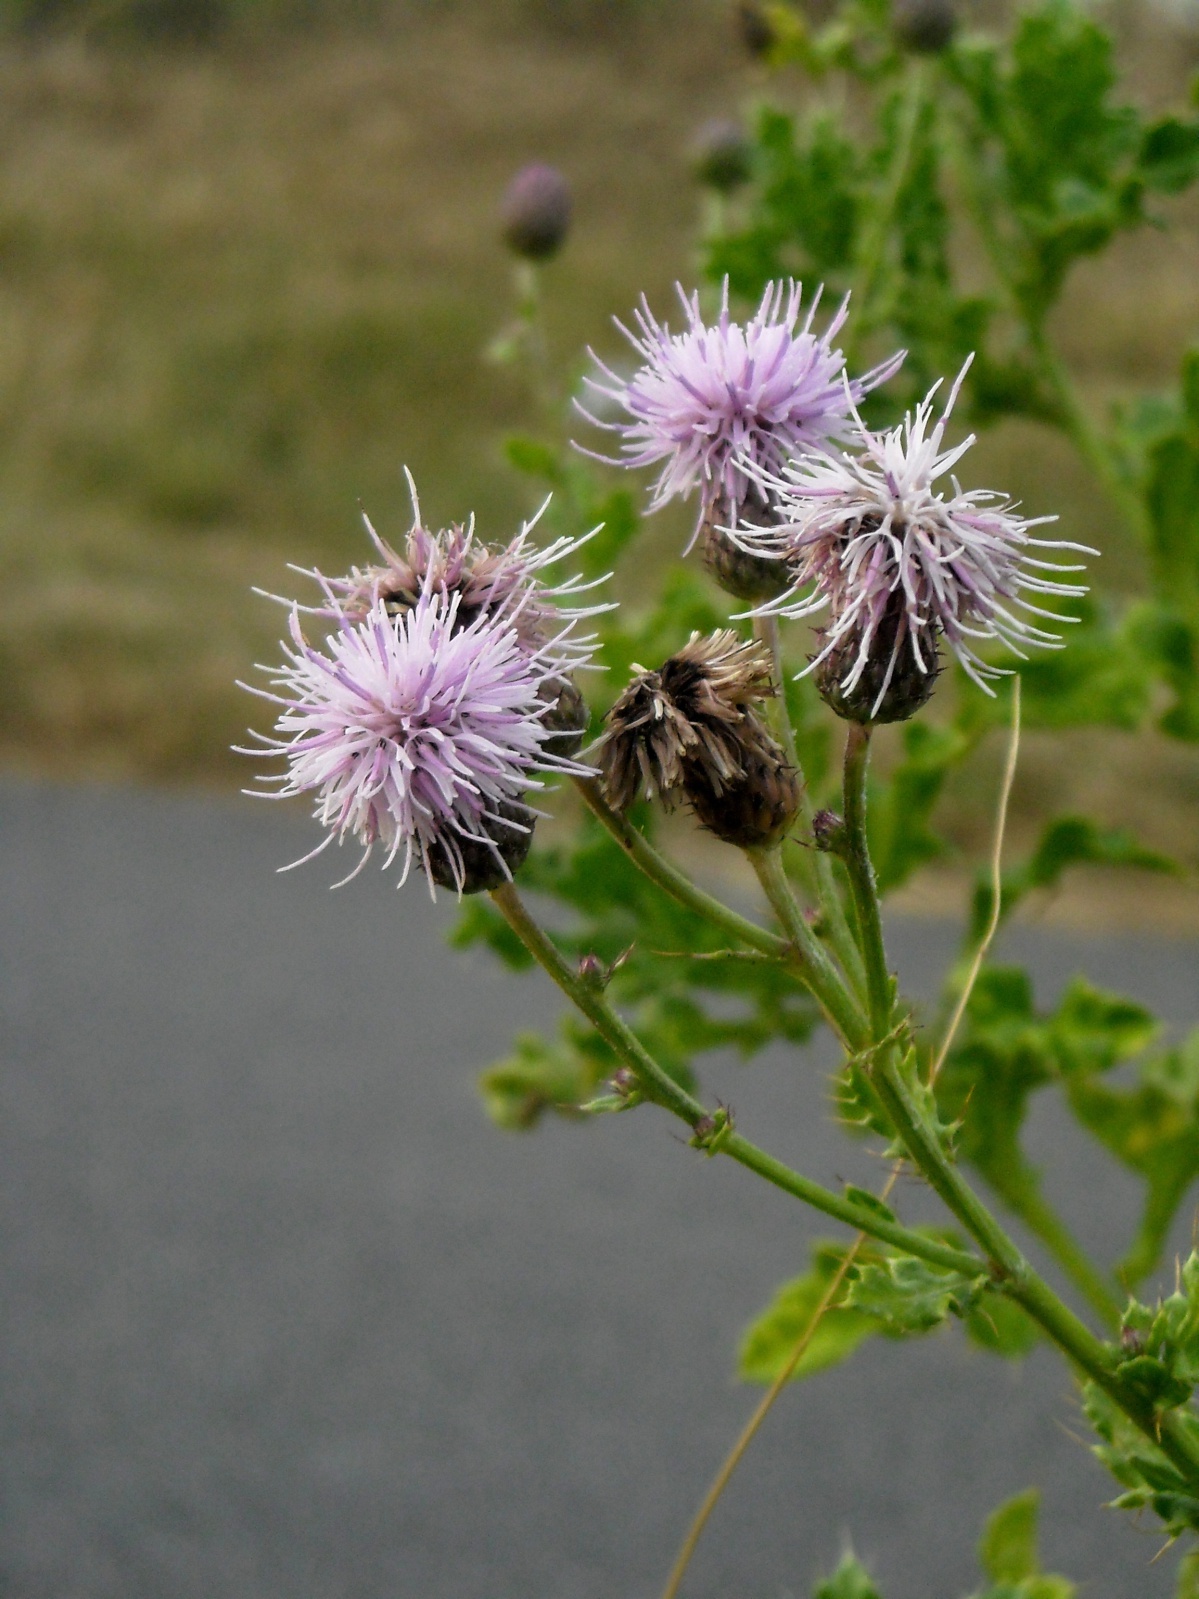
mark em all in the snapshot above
pixel 852 576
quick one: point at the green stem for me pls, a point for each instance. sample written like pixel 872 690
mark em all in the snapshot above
pixel 660 1087
pixel 818 872
pixel 673 882
pixel 818 971
pixel 862 883
pixel 803 954
pixel 1039 1216
pixel 1011 1272
pixel 1014 1276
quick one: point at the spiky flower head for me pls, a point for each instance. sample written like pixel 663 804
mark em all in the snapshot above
pixel 691 730
pixel 901 565
pixel 499 582
pixel 496 580
pixel 420 736
pixel 722 408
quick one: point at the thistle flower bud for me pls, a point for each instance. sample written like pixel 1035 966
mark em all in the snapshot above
pixel 536 212
pixel 486 862
pixel 745 574
pixel 924 26
pixel 567 720
pixel 758 33
pixel 691 730
pixel 828 830
pixel 893 682
pixel 722 155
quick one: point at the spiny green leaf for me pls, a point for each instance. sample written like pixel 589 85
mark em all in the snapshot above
pixel 537 1077
pixel 851 1580
pixel 770 1341
pixel 909 1296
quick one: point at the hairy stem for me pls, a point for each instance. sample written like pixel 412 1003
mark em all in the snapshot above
pixel 862 883
pixel 819 973
pixel 659 1086
pixel 818 868
pixel 1010 1271
pixel 1013 1275
pixel 1039 1216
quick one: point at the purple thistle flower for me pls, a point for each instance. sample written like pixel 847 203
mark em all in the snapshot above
pixel 900 565
pixel 721 407
pixel 502 581
pixel 418 734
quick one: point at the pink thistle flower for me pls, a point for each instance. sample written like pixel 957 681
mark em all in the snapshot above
pixel 419 735
pixel 492 581
pixel 900 565
pixel 723 407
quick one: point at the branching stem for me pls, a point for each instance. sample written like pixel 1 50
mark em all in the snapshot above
pixel 659 1086
pixel 800 950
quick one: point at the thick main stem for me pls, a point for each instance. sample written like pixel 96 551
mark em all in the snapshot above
pixel 660 1087
pixel 1013 1275
pixel 1010 1271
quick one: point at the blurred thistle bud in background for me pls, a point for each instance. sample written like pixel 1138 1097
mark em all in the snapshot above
pixel 536 212
pixel 758 33
pixel 722 156
pixel 924 26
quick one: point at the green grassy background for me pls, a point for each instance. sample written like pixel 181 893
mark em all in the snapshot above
pixel 243 282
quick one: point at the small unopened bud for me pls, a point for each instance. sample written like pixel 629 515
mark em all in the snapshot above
pixel 828 831
pixel 711 1130
pixel 567 718
pixel 739 572
pixel 758 32
pixel 482 867
pixel 893 683
pixel 1131 1342
pixel 592 971
pixel 723 155
pixel 924 26
pixel 536 212
pixel 626 1083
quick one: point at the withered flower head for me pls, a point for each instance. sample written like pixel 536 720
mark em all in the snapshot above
pixel 691 729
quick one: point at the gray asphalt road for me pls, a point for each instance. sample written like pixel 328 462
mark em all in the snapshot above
pixel 284 1316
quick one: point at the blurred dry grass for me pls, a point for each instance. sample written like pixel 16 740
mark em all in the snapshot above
pixel 239 288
